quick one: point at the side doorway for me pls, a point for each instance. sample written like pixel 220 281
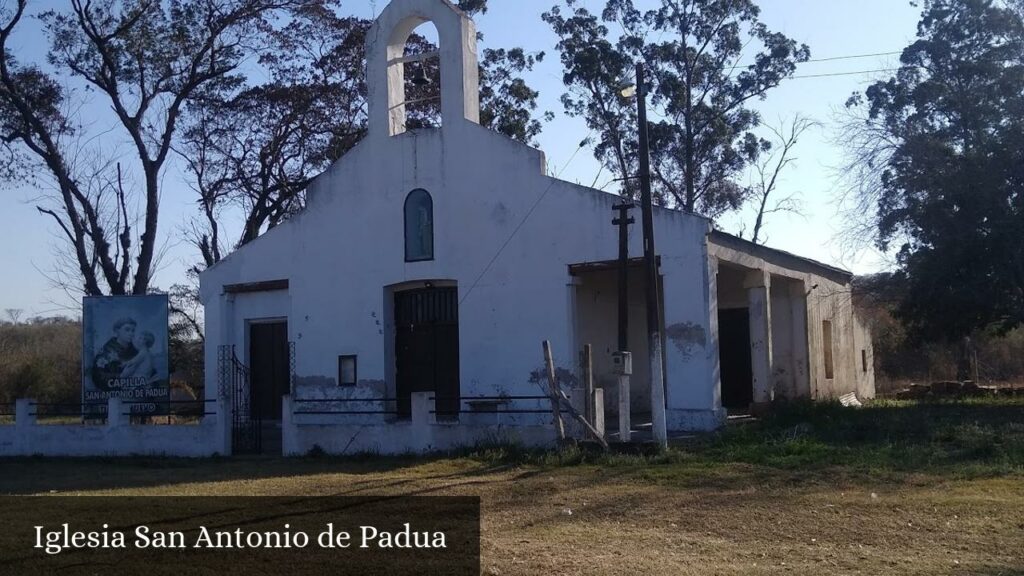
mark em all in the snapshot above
pixel 737 373
pixel 270 380
pixel 427 348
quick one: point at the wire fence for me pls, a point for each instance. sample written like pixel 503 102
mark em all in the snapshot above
pixel 316 408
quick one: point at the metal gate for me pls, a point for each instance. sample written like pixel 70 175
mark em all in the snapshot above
pixel 427 348
pixel 246 423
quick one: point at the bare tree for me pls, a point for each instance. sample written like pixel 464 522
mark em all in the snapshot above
pixel 868 147
pixel 769 167
pixel 148 61
pixel 14 314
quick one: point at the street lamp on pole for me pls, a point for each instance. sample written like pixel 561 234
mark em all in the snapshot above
pixel 658 425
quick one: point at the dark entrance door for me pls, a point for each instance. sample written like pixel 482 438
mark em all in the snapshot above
pixel 269 367
pixel 427 348
pixel 734 354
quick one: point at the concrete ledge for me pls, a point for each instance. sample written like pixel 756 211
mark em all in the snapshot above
pixel 694 420
pixel 406 438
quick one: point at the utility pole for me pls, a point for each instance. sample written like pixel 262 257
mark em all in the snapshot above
pixel 623 222
pixel 622 356
pixel 658 426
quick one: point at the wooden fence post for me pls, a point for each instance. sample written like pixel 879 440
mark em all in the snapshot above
pixel 554 391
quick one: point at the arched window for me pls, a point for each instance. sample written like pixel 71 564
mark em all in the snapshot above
pixel 419 226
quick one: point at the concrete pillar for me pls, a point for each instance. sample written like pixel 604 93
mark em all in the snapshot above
pixel 422 409
pixel 423 430
pixel 23 416
pixel 24 422
pixel 288 439
pixel 222 426
pixel 713 356
pixel 115 413
pixel 599 411
pixel 758 285
pixel 800 356
pixel 624 423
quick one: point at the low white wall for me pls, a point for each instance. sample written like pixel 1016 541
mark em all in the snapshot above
pixel 118 437
pixel 420 434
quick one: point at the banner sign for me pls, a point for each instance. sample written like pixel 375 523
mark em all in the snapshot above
pixel 125 352
pixel 205 535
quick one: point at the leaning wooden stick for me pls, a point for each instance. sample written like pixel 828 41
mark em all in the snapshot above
pixel 579 418
pixel 553 390
pixel 588 383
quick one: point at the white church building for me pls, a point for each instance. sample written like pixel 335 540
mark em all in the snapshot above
pixel 404 308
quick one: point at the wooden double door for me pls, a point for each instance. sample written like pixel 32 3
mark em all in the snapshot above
pixel 427 348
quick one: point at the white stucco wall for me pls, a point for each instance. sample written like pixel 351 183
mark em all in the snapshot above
pixel 116 437
pixel 489 192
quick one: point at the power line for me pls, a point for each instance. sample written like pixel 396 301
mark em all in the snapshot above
pixel 835 58
pixel 855 56
pixel 529 213
pixel 859 72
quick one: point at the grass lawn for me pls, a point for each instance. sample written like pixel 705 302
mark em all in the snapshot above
pixel 894 488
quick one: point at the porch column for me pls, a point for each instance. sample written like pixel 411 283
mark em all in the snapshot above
pixel 799 369
pixel 758 284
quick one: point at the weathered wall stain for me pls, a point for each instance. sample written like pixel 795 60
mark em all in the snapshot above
pixel 500 213
pixel 686 336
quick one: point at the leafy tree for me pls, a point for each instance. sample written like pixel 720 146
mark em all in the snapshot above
pixel 951 193
pixel 704 77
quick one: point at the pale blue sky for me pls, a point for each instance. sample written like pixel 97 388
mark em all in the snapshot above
pixel 832 28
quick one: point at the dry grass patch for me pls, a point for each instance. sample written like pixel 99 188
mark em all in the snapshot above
pixel 810 491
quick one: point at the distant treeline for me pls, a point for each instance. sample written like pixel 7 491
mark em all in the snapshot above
pixel 996 357
pixel 42 359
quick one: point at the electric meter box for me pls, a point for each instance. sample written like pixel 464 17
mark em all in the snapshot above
pixel 622 363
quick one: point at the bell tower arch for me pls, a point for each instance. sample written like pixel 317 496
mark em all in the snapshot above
pixel 385 74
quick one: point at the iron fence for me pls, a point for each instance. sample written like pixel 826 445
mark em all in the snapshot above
pixel 189 408
pixel 492 405
pixel 96 412
pixel 68 412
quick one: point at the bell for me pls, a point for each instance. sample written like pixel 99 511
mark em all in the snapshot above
pixel 419 78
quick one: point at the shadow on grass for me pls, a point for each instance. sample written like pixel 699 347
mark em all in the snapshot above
pixel 42 475
pixel 798 443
